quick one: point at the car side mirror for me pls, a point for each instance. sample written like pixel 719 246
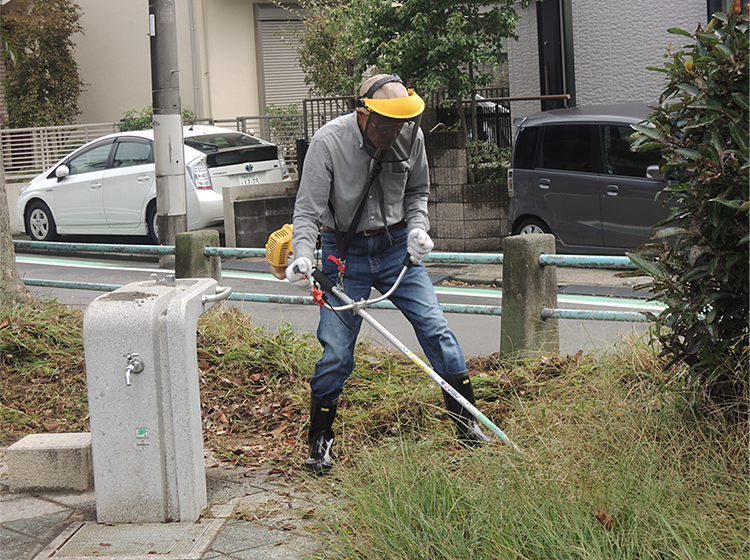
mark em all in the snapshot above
pixel 652 172
pixel 62 172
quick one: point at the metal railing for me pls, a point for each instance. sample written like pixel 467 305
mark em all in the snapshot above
pixel 575 261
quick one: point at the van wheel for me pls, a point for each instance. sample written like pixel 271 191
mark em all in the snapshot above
pixel 532 225
pixel 40 225
pixel 153 230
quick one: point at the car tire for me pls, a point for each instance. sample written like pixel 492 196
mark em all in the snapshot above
pixel 532 225
pixel 40 225
pixel 153 230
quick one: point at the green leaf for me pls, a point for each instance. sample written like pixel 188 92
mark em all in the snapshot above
pixel 667 232
pixel 689 89
pixel 734 204
pixel 678 31
pixel 648 266
pixel 688 153
pixel 739 135
pixel 724 51
pixel 649 131
pixel 711 316
pixel 741 100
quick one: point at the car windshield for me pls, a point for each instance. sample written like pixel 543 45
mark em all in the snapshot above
pixel 215 141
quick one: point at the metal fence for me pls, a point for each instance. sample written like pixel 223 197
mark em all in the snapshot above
pixel 29 151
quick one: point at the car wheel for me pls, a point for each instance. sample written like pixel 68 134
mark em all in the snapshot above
pixel 40 225
pixel 532 225
pixel 153 230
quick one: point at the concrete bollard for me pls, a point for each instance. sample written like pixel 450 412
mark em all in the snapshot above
pixel 528 287
pixel 190 261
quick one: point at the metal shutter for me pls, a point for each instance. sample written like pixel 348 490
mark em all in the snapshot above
pixel 283 79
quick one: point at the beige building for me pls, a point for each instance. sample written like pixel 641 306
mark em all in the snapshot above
pixel 232 59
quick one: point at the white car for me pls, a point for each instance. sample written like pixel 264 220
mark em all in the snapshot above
pixel 108 186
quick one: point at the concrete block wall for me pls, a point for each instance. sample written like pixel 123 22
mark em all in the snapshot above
pixel 464 217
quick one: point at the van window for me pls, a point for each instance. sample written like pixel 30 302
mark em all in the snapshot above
pixel 568 148
pixel 525 148
pixel 618 159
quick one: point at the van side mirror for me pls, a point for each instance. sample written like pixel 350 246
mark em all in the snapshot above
pixel 652 172
pixel 62 172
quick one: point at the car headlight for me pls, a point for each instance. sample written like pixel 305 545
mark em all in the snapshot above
pixel 199 174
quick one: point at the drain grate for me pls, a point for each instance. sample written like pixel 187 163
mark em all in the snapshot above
pixel 148 541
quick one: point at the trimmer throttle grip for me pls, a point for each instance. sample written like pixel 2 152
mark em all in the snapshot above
pixel 325 282
pixel 407 261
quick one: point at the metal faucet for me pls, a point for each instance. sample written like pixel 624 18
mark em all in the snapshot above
pixel 135 365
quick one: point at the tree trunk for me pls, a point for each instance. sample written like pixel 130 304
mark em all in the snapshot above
pixel 12 289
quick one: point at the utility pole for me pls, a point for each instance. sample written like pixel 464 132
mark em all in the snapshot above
pixel 169 153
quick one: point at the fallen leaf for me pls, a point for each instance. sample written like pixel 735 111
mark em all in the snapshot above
pixel 222 417
pixel 51 427
pixel 605 519
pixel 288 527
pixel 4 323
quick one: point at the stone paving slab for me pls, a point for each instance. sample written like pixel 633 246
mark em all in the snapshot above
pixel 136 541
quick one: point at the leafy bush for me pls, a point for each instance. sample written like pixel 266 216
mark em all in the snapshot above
pixel 487 162
pixel 144 119
pixel 700 270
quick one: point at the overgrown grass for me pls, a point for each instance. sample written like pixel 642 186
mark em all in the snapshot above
pixel 615 466
pixel 620 461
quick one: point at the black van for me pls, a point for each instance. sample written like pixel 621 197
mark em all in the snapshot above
pixel 572 174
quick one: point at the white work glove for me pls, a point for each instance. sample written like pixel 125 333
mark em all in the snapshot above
pixel 297 277
pixel 418 245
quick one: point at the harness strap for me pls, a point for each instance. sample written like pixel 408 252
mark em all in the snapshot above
pixel 342 242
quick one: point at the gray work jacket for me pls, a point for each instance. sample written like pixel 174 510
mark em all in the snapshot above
pixel 336 167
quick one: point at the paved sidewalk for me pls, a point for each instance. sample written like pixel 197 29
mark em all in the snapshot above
pixel 252 515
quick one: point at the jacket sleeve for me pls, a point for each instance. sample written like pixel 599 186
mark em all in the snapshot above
pixel 417 188
pixel 312 199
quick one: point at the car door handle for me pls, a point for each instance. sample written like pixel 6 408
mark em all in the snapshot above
pixel 543 183
pixel 612 190
pixel 143 178
pixel 96 185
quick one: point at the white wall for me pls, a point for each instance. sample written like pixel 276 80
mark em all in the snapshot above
pixel 613 43
pixel 615 40
pixel 115 61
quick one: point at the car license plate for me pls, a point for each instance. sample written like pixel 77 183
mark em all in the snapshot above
pixel 252 179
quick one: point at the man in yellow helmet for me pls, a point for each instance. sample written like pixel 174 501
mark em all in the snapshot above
pixel 364 190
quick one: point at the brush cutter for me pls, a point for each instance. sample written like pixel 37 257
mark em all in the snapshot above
pixel 359 308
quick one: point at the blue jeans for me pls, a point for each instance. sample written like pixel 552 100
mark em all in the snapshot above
pixel 372 262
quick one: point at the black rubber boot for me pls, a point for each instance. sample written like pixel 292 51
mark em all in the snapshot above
pixel 320 436
pixel 468 431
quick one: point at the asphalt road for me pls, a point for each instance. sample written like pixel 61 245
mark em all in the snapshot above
pixel 478 335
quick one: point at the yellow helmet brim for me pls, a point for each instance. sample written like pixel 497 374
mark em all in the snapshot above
pixel 398 108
